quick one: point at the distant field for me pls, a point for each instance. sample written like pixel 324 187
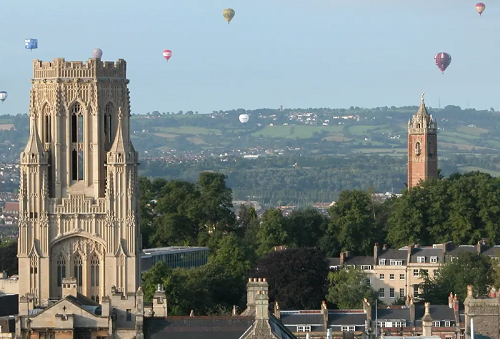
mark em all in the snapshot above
pixel 472 130
pixel 293 132
pixel 6 126
pixel 188 130
pixel 166 135
pixel 388 151
pixel 474 168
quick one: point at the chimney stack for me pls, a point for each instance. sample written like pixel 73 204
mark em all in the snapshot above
pixel 450 300
pixel 262 305
pixel 324 312
pixel 160 302
pixel 69 287
pixel 255 285
pixel 375 254
pixel 412 311
pixel 427 321
pixel 367 308
pixel 277 314
pixel 384 247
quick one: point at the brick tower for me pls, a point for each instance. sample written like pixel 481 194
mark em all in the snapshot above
pixel 422 146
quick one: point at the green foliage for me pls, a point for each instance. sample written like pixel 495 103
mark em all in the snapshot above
pixel 272 231
pixel 348 287
pixel 297 277
pixel 454 276
pixel 353 222
pixel 8 256
pixel 464 208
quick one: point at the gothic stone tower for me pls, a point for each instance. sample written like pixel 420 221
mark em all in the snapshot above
pixel 422 146
pixel 78 200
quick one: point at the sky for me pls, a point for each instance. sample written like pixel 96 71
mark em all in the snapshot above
pixel 295 53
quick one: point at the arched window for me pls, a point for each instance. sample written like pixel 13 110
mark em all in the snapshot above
pixel 108 113
pixel 46 125
pixel 94 271
pixel 61 269
pixel 76 123
pixel 78 269
pixel 417 148
pixel 77 156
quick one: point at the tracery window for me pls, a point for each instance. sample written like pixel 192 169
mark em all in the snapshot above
pixel 78 269
pixel 94 271
pixel 108 112
pixel 46 125
pixel 417 148
pixel 61 269
pixel 77 136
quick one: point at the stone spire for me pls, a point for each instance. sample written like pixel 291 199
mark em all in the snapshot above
pixel 119 142
pixel 34 145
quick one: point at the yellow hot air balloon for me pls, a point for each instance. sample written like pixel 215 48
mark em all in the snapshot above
pixel 228 14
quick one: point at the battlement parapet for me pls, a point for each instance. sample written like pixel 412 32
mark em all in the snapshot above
pixel 59 68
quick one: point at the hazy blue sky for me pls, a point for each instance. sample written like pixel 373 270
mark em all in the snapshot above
pixel 299 53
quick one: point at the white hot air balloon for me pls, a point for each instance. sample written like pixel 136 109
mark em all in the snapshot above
pixel 97 53
pixel 244 118
pixel 3 96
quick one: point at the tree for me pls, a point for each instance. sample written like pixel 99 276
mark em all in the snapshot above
pixel 297 277
pixel 454 276
pixel 348 288
pixel 216 201
pixel 352 221
pixel 152 277
pixel 8 256
pixel 271 231
pixel 306 226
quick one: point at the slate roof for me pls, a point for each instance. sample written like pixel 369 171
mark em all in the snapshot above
pixel 393 254
pixel 339 319
pixel 462 249
pixel 359 260
pixel 301 318
pixel 427 253
pixel 197 327
pixel 333 261
pixel 492 251
pixel 392 313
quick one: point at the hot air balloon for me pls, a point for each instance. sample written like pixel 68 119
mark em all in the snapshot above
pixel 244 118
pixel 3 95
pixel 97 53
pixel 443 60
pixel 480 8
pixel 228 14
pixel 31 44
pixel 167 54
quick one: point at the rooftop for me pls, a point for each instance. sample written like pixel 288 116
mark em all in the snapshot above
pixel 172 249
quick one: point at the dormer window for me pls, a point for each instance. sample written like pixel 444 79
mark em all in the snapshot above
pixel 381 262
pixel 421 259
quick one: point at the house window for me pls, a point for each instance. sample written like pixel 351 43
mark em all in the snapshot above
pixel 381 262
pixel 399 324
pixel 415 272
pixel 435 272
pixel 447 324
pixel 382 276
pixel 396 263
pixel 129 315
pixel 425 271
pixel 391 293
pixel 415 290
pixel 391 276
pixel 401 292
pixel 381 324
pixel 381 293
pixel 47 335
pixel 420 259
pixel 436 324
pixel 402 276
pixel 347 328
pixel 366 267
pixel 304 328
pixel 434 259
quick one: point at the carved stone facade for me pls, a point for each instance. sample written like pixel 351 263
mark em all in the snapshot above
pixel 422 146
pixel 78 199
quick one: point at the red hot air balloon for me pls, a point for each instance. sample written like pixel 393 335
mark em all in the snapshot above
pixel 167 54
pixel 443 60
pixel 480 8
